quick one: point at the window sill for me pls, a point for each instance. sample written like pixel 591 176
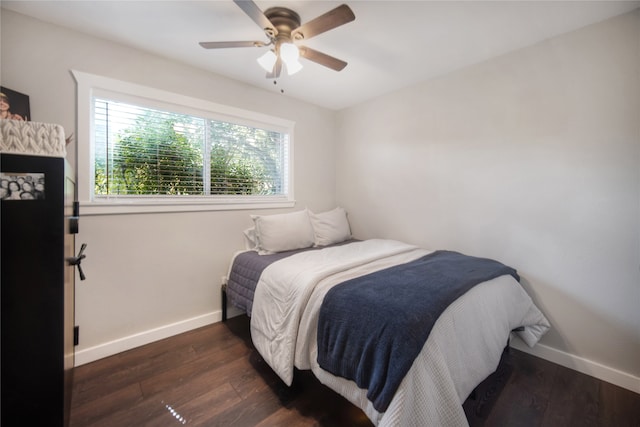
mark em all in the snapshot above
pixel 155 206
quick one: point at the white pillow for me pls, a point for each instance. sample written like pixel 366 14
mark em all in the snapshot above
pixel 250 241
pixel 330 227
pixel 283 232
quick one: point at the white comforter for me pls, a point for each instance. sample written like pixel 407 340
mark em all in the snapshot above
pixel 463 348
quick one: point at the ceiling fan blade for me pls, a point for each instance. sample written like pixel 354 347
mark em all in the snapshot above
pixel 330 20
pixel 257 15
pixel 277 69
pixel 322 58
pixel 222 45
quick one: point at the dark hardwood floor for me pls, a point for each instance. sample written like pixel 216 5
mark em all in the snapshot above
pixel 212 376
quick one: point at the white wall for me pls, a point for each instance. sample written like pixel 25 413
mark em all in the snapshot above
pixel 532 158
pixel 152 275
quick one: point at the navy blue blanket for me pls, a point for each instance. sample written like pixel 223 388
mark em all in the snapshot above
pixel 371 328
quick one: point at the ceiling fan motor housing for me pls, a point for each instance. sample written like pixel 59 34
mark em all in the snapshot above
pixel 285 21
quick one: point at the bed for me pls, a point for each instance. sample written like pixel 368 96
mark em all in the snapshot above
pixel 322 301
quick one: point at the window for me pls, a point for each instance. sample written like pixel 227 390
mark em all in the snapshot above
pixel 146 152
pixel 151 150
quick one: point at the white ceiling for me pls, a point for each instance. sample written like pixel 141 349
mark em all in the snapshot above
pixel 390 45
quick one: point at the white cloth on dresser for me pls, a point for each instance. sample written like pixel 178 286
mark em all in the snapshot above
pixel 32 138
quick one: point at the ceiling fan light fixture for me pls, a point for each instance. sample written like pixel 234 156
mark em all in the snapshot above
pixel 267 61
pixel 293 67
pixel 290 54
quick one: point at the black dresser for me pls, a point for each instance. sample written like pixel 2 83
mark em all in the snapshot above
pixel 37 305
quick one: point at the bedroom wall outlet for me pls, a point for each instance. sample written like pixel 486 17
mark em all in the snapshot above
pixel 223 280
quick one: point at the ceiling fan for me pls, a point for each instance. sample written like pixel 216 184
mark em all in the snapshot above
pixel 284 32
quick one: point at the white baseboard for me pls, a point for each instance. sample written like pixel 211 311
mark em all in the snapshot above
pixel 589 367
pixel 127 343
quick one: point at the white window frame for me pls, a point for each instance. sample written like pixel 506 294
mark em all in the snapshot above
pixel 91 85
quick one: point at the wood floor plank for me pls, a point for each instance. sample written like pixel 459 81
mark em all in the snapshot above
pixel 197 409
pixel 181 373
pixel 132 416
pixel 130 373
pixel 517 406
pixel 255 378
pixel 103 406
pixel 248 413
pixel 618 407
pixel 573 401
pixel 524 399
pixel 287 417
